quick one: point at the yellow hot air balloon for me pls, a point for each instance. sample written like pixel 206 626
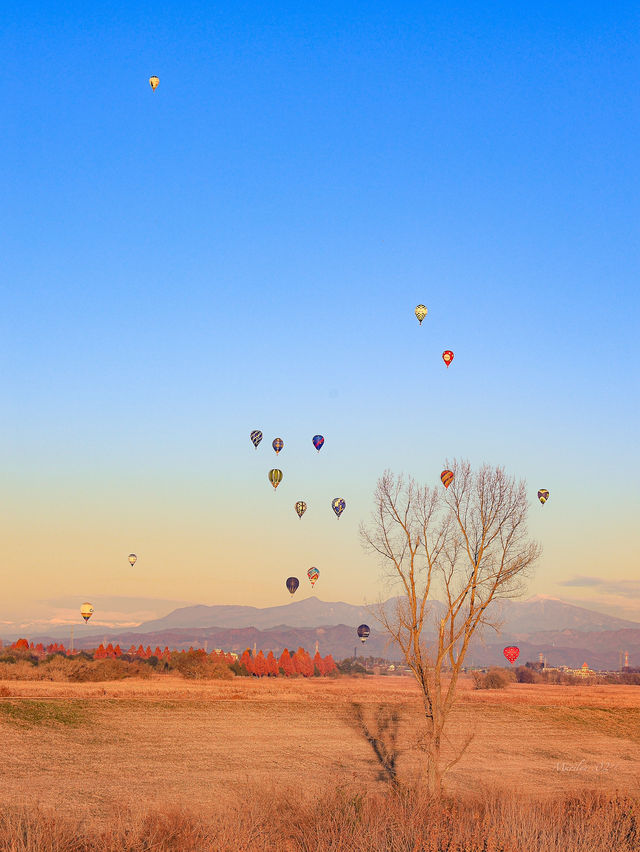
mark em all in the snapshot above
pixel 132 559
pixel 275 477
pixel 86 611
pixel 421 313
pixel 153 82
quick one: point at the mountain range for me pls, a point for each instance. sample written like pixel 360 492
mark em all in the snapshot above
pixel 566 634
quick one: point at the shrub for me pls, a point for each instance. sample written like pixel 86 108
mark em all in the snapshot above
pixel 524 675
pixel 493 679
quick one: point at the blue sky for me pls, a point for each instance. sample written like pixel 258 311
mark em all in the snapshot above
pixel 244 248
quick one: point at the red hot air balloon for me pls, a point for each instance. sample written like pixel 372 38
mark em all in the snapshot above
pixel 447 356
pixel 511 653
pixel 447 477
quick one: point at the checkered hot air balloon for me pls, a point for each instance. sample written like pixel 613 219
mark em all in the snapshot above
pixel 338 505
pixel 447 356
pixel 301 508
pixel 511 653
pixel 277 444
pixel 543 495
pixel 256 437
pixel 313 575
pixel 447 477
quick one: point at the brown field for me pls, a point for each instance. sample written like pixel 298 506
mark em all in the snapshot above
pixel 89 751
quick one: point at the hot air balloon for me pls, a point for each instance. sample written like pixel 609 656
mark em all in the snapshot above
pixel 447 356
pixel 511 653
pixel 318 441
pixel 132 559
pixel 447 477
pixel 277 444
pixel 421 313
pixel 292 584
pixel 363 632
pixel 256 437
pixel 86 611
pixel 313 575
pixel 338 505
pixel 153 82
pixel 543 495
pixel 301 508
pixel 275 477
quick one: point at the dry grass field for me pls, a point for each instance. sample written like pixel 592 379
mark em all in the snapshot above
pixel 89 751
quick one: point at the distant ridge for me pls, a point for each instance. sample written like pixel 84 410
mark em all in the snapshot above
pixel 561 631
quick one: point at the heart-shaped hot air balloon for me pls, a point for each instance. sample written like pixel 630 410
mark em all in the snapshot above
pixel 275 477
pixel 447 477
pixel 318 441
pixel 301 508
pixel 543 495
pixel 511 653
pixel 447 356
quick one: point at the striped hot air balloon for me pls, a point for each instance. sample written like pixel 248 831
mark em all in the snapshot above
pixel 543 495
pixel 86 611
pixel 275 477
pixel 447 477
pixel 318 441
pixel 256 437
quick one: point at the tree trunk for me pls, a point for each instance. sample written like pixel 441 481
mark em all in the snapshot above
pixel 434 773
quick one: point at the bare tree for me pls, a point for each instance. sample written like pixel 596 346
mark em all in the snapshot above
pixel 470 546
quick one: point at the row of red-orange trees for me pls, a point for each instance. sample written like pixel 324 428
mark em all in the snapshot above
pixel 288 664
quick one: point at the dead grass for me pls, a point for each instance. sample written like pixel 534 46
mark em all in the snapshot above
pixel 187 755
pixel 29 713
pixel 344 819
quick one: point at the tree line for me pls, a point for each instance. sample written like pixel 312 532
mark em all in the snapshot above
pixel 189 663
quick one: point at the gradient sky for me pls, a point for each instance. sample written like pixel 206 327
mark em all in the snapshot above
pixel 244 249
